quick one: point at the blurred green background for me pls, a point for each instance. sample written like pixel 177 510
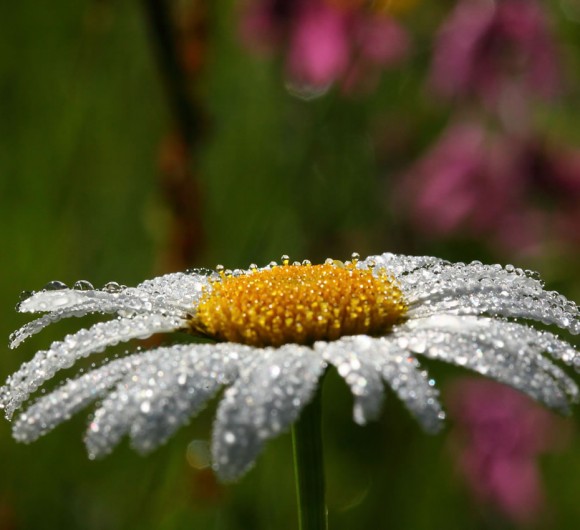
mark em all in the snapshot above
pixel 84 118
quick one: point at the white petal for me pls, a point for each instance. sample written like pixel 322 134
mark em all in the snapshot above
pixel 360 371
pixel 186 385
pixel 400 265
pixel 126 304
pixel 178 290
pixel 58 406
pixel 487 289
pixel 108 305
pixel 363 361
pixel 160 396
pixel 411 384
pixel 506 351
pixel 63 354
pixel 43 301
pixel 273 386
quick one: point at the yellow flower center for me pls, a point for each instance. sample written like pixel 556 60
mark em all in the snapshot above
pixel 299 304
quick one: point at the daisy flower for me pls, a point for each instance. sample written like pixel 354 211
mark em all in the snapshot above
pixel 276 330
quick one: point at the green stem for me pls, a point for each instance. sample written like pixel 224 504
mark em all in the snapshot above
pixel 309 467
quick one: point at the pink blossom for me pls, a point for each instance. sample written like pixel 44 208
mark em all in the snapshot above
pixel 513 191
pixel 318 50
pixel 485 47
pixel 500 433
pixel 325 41
pixel 466 183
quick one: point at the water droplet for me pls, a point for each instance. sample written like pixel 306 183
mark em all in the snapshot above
pixel 24 295
pixel 535 275
pixel 285 259
pixel 306 91
pixel 83 285
pixel 418 345
pixel 198 454
pixel 202 271
pixel 111 287
pixel 229 437
pixel 355 256
pixel 306 263
pixel 54 286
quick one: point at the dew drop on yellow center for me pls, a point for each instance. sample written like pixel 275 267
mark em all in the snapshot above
pixel 299 304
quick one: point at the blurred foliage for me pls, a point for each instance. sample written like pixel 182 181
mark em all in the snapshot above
pixel 82 116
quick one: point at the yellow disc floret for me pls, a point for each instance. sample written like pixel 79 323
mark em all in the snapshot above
pixel 300 304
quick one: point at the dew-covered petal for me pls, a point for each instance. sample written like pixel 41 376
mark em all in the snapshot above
pixel 185 386
pixel 411 384
pixel 63 354
pixel 58 406
pixel 273 387
pixel 506 351
pixel 44 301
pixel 178 290
pixel 364 362
pixel 161 395
pixel 400 265
pixel 435 286
pixel 476 289
pixel 95 303
pixel 546 309
pixel 348 356
pixel 130 302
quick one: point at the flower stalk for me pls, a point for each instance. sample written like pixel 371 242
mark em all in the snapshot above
pixel 309 467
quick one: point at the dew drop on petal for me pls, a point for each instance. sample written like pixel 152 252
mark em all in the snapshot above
pixel 202 271
pixel 229 437
pixel 55 285
pixel 83 285
pixel 111 287
pixel 25 295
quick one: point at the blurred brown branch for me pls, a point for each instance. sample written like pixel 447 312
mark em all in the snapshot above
pixel 179 42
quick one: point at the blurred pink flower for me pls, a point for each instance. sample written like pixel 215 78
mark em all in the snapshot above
pixel 467 183
pixel 512 191
pixel 319 47
pixel 325 41
pixel 500 432
pixel 487 47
